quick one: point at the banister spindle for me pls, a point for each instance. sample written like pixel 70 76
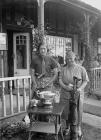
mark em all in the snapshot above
pixel 24 96
pixel 29 88
pixel 18 96
pixel 94 79
pixel 3 99
pixel 11 98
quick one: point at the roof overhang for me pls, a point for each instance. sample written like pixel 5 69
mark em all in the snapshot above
pixel 85 6
pixel 77 3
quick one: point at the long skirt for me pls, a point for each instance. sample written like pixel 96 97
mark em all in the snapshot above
pixel 65 100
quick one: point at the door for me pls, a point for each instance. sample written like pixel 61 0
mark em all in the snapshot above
pixel 21 54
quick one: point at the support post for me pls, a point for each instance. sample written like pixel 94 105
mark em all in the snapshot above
pixel 87 39
pixel 2 53
pixel 41 14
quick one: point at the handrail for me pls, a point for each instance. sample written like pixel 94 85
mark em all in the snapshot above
pixel 96 68
pixel 14 78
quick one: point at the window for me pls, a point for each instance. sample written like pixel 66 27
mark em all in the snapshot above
pixel 58 45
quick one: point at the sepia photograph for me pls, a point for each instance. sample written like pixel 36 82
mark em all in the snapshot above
pixel 50 70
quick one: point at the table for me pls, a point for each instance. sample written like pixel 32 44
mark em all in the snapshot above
pixel 47 127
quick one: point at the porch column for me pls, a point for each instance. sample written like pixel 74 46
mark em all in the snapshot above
pixel 87 41
pixel 1 52
pixel 41 14
pixel 89 24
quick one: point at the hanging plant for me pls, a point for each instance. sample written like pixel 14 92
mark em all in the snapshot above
pixel 38 37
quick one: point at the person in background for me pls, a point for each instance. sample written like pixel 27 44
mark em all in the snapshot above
pixel 67 73
pixel 78 60
pixel 60 60
pixel 95 63
pixel 82 61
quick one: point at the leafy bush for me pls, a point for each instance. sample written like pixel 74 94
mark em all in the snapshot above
pixel 38 37
pixel 9 130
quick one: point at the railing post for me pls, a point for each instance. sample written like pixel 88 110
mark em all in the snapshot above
pixel 30 93
pixel 3 99
pixel 18 96
pixel 11 98
pixel 24 96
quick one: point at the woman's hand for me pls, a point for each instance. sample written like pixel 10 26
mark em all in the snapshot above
pixel 44 85
pixel 69 87
pixel 33 86
pixel 79 90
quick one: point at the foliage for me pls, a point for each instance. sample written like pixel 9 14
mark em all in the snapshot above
pixel 85 28
pixel 38 37
pixel 9 129
pixel 37 33
pixel 86 35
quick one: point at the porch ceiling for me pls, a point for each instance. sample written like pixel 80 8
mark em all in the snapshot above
pixel 71 11
pixel 78 4
pixel 62 19
pixel 83 5
pixel 5 2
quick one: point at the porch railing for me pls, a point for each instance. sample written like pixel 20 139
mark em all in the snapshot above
pixel 15 93
pixel 95 79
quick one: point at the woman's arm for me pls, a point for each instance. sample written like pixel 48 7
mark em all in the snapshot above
pixel 55 75
pixel 55 67
pixel 34 84
pixel 85 79
pixel 82 87
pixel 64 86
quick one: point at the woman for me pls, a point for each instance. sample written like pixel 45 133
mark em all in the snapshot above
pixel 44 69
pixel 67 73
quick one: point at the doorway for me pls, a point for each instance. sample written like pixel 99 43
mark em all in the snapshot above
pixel 18 53
pixel 21 54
